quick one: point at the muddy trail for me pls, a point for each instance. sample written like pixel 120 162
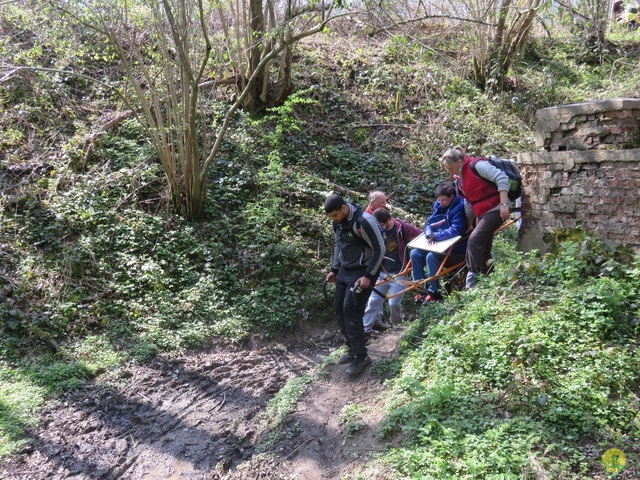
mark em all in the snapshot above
pixel 200 415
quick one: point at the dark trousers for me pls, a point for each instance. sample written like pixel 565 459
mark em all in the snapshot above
pixel 481 241
pixel 349 312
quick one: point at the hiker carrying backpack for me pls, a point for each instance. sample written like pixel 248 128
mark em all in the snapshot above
pixel 485 189
pixel 357 256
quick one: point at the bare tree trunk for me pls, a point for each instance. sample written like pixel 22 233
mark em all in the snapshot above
pixel 512 28
pixel 253 101
pixel 285 84
pixel 165 73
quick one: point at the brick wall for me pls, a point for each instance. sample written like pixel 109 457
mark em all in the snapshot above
pixel 592 187
pixel 605 124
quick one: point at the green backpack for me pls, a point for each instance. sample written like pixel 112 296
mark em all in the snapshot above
pixel 510 168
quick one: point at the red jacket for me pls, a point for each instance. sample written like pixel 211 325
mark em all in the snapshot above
pixel 482 194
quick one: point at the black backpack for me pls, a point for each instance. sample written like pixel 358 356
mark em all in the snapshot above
pixel 510 168
pixel 356 222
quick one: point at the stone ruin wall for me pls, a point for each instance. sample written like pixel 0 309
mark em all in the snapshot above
pixel 587 174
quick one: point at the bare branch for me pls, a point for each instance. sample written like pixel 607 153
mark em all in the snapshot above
pixel 276 50
pixel 571 9
pixel 432 17
pixel 177 40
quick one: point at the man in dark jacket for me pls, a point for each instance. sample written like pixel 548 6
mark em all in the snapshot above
pixel 357 255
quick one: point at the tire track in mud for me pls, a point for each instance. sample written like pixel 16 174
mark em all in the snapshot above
pixel 193 417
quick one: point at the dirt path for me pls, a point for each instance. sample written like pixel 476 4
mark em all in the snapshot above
pixel 326 449
pixel 197 416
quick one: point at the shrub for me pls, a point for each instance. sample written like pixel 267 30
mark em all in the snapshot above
pixel 497 380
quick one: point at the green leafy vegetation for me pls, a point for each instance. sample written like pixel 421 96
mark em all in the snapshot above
pixel 20 400
pixel 535 368
pixel 349 419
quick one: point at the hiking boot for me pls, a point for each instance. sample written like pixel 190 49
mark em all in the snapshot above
pixel 346 358
pixel 380 325
pixel 431 298
pixel 371 334
pixel 358 365
pixel 419 299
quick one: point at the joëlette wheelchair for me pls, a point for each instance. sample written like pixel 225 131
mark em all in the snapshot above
pixel 452 276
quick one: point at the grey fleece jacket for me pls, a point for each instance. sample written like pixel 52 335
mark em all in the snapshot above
pixel 357 254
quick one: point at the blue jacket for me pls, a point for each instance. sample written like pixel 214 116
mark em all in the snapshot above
pixel 456 223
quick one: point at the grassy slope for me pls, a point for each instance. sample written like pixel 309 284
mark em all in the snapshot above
pixel 535 372
pixel 94 264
